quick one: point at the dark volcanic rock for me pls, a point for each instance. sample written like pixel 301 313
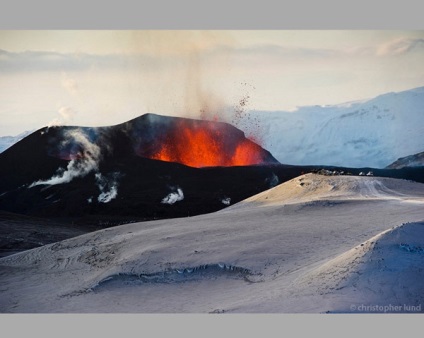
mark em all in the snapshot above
pixel 19 232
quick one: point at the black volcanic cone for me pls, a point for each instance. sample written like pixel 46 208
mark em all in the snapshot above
pixel 39 155
pixel 72 172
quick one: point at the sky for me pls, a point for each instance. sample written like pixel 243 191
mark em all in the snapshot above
pixel 95 78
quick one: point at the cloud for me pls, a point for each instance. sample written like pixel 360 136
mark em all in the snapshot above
pixel 279 51
pixel 177 43
pixel 11 62
pixel 400 46
pixel 155 55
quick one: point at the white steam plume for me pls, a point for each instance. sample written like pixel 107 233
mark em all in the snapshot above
pixel 86 160
pixel 226 201
pixel 173 197
pixel 108 187
pixel 66 115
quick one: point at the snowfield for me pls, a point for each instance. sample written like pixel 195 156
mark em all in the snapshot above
pixel 313 244
pixel 371 133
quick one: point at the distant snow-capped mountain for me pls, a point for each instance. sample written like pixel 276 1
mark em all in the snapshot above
pixel 8 141
pixel 416 160
pixel 371 133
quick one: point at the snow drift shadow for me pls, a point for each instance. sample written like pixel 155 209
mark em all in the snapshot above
pixel 179 275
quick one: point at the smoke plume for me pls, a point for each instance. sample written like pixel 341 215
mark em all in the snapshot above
pixel 226 201
pixel 66 115
pixel 188 68
pixel 83 162
pixel 173 197
pixel 108 186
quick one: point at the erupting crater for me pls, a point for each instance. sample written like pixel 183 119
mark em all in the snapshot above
pixel 195 143
pixel 199 143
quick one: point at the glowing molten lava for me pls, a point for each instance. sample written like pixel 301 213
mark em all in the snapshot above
pixel 207 143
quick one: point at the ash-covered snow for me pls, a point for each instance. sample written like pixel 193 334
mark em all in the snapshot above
pixel 326 245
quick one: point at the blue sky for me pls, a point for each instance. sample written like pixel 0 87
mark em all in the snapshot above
pixel 107 77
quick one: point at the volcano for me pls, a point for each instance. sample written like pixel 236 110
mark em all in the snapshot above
pixel 151 167
pixel 68 180
pixel 132 152
pixel 195 143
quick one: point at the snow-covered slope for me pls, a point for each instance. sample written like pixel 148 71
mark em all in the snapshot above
pixel 260 255
pixel 8 141
pixel 371 133
pixel 311 188
pixel 381 275
pixel 416 160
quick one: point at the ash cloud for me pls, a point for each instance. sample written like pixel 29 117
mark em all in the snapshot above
pixel 53 61
pixel 173 197
pixel 83 162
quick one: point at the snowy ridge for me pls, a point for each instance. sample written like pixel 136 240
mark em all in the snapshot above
pixel 416 160
pixel 373 133
pixel 307 188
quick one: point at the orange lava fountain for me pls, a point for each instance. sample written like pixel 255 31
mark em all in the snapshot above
pixel 207 144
